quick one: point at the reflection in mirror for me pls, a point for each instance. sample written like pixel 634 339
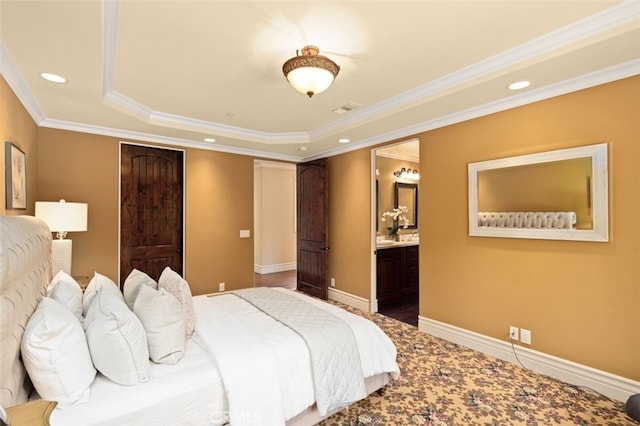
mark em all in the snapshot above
pixel 406 194
pixel 552 195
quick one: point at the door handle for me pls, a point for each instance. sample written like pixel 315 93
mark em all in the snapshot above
pixel 178 250
pixel 325 248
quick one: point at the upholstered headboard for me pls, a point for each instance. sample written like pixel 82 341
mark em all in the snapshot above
pixel 25 268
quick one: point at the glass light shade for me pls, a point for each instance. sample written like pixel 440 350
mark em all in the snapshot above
pixel 309 72
pixel 63 217
pixel 310 80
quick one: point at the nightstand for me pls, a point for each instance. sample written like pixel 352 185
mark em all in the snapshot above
pixel 32 413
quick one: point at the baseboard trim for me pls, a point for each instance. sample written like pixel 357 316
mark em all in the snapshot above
pixel 611 385
pixel 270 269
pixel 349 299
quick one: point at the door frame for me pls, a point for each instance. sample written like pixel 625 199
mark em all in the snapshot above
pixel 373 264
pixel 184 198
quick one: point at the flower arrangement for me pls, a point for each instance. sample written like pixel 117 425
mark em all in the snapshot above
pixel 397 215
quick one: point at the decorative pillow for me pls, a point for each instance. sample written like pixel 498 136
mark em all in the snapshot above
pixel 163 319
pixel 176 285
pixel 132 284
pixel 66 290
pixel 97 282
pixel 117 341
pixel 56 356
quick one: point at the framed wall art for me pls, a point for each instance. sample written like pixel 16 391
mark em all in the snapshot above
pixel 15 177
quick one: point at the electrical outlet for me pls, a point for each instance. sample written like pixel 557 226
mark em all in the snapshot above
pixel 221 287
pixel 525 336
pixel 332 282
pixel 513 332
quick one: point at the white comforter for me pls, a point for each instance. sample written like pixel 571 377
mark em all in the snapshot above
pixel 265 366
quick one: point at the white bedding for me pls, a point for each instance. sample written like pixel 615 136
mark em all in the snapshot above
pixel 193 392
pixel 188 393
pixel 277 355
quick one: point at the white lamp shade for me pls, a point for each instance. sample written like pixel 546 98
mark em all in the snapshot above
pixel 62 216
pixel 310 79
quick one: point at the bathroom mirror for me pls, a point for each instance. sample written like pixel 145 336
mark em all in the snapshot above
pixel 406 194
pixel 558 195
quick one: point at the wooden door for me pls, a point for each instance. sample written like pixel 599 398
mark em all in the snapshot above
pixel 313 227
pixel 150 210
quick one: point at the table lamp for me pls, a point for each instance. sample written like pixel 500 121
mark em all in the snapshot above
pixel 62 217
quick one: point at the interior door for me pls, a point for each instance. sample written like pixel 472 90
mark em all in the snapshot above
pixel 313 226
pixel 151 220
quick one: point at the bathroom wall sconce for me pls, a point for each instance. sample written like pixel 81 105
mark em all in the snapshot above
pixel 408 174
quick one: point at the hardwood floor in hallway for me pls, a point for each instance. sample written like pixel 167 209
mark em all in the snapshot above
pixel 285 279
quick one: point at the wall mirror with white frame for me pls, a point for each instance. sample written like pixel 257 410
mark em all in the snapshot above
pixel 558 195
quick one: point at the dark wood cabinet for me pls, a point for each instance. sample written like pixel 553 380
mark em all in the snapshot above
pixel 397 274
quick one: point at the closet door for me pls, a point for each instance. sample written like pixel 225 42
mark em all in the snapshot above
pixel 151 218
pixel 313 226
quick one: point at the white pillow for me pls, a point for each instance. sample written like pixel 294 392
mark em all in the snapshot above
pixel 56 356
pixel 66 290
pixel 163 319
pixel 97 282
pixel 132 284
pixel 117 341
pixel 176 285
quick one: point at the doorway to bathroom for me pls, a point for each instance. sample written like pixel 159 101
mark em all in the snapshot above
pixel 395 231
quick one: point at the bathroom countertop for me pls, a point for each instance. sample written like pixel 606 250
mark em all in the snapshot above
pixel 392 244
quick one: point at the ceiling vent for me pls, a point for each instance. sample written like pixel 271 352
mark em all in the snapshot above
pixel 348 107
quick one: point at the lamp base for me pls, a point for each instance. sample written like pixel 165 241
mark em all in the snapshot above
pixel 60 256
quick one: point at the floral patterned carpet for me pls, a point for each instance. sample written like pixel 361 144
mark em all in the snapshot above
pixel 443 383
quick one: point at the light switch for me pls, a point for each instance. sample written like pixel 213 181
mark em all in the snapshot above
pixel 245 233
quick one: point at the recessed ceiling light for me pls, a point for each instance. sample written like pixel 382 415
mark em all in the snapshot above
pixel 344 140
pixel 209 140
pixel 519 85
pixel 53 77
pixel 303 148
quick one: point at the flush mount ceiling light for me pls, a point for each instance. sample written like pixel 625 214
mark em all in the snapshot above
pixel 309 72
pixel 519 85
pixel 54 78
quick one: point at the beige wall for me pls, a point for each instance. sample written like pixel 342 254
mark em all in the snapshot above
pixel 218 203
pixel 17 127
pixel 350 221
pixel 579 299
pixel 274 208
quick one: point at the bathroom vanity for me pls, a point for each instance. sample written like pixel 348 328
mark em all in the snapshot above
pixel 397 272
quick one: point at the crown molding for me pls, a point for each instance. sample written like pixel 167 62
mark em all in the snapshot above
pixel 617 72
pixel 613 17
pixel 273 165
pixel 18 85
pixel 610 18
pixel 398 157
pixel 110 28
pixel 149 137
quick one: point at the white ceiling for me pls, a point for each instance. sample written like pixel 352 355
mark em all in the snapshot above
pixel 179 71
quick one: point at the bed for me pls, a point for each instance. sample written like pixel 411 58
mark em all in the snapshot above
pixel 242 365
